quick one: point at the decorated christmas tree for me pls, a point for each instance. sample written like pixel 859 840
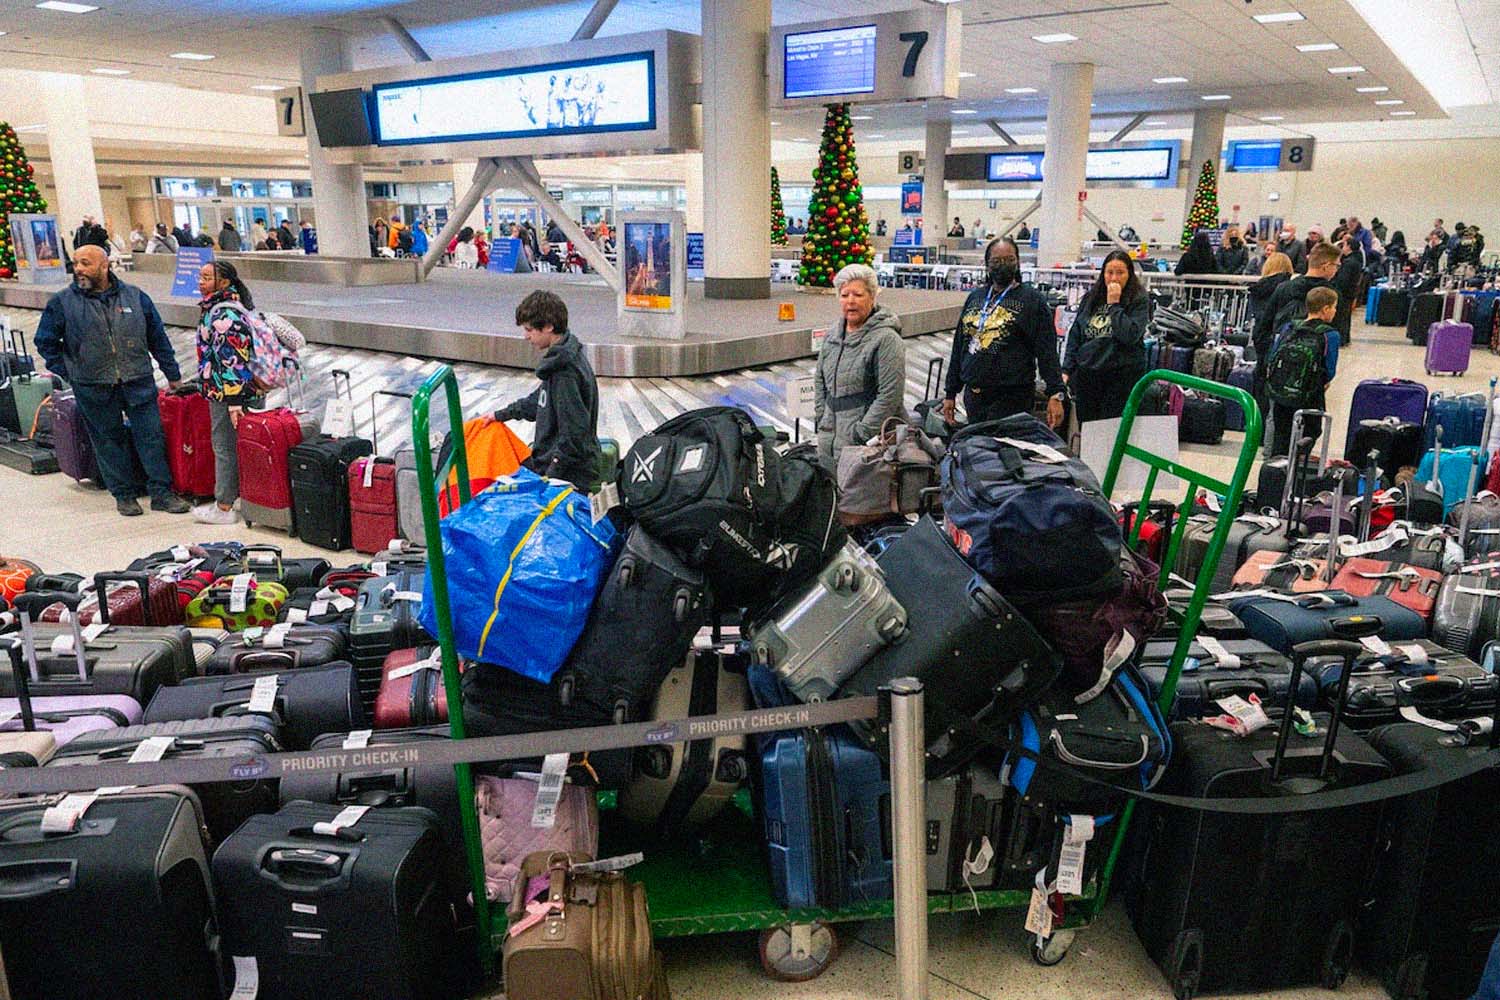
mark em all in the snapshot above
pixel 1205 211
pixel 838 230
pixel 778 213
pixel 18 193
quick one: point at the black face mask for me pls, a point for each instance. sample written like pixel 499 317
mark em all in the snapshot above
pixel 1003 273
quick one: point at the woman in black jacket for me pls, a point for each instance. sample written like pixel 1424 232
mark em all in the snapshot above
pixel 1276 269
pixel 1396 250
pixel 1199 258
pixel 1105 356
pixel 1233 255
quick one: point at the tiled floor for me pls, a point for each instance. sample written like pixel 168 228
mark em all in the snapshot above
pixel 66 527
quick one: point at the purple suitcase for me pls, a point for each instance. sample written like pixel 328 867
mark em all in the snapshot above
pixel 70 439
pixel 72 715
pixel 1448 346
pixel 1378 398
pixel 1241 376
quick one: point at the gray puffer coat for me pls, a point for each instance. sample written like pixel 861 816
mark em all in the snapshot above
pixel 860 382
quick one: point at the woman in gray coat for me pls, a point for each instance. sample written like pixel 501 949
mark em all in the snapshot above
pixel 861 377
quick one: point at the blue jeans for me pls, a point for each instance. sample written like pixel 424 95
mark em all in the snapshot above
pixel 105 409
pixel 1489 984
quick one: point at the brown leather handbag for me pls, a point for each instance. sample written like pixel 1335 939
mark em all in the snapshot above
pixel 889 475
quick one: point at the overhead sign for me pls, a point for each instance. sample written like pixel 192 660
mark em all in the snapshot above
pixel 909 55
pixel 1267 155
pixel 1154 164
pixel 289 112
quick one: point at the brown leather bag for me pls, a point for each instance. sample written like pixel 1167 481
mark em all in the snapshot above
pixel 888 475
pixel 588 937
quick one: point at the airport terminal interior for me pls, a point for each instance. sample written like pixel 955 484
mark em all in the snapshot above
pixel 1217 269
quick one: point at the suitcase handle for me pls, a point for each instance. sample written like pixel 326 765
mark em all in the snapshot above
pixel 142 583
pixel 35 879
pixel 1349 653
pixel 932 383
pixel 247 660
pixel 275 550
pixel 282 864
pixel 23 683
pixel 374 423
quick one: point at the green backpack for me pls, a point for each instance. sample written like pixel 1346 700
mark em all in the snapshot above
pixel 1297 372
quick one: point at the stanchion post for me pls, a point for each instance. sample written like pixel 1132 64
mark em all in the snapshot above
pixel 908 812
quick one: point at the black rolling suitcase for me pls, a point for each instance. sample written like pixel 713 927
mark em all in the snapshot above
pixel 1426 309
pixel 26 455
pixel 120 908
pixel 1396 444
pixel 343 910
pixel 226 804
pixel 1416 676
pixel 1467 614
pixel 1230 903
pixel 308 702
pixel 267 564
pixel 1202 420
pixel 279 648
pixel 385 619
pixel 1392 307
pixel 1220 668
pixel 320 489
pixel 1005 663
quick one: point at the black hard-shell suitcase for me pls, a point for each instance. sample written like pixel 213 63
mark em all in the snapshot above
pixel 320 489
pixel 1426 309
pixel 350 914
pixel 121 908
pixel 384 620
pixel 977 657
pixel 308 702
pixel 1249 903
pixel 26 455
pixel 1235 667
pixel 1418 676
pixel 1396 444
pixel 267 564
pixel 226 804
pixel 640 628
pixel 130 660
pixel 1437 875
pixel 299 646
pixel 1392 307
pixel 1467 614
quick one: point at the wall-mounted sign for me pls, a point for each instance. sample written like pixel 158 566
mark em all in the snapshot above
pixel 289 119
pixel 653 260
pixel 906 55
pixel 695 256
pixel 908 161
pixel 911 198
pixel 1267 155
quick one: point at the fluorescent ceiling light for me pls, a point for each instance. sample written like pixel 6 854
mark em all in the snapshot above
pixel 1339 70
pixel 1020 90
pixel 965 111
pixel 1156 123
pixel 876 135
pixel 1169 79
pixel 1053 39
pixel 1393 102
pixel 106 71
pixel 191 56
pixel 1371 90
pixel 776 123
pixel 1216 97
pixel 268 86
pixel 1317 47
pixel 1281 17
pixel 966 75
pixel 1272 118
pixel 861 118
pixel 66 8
pixel 1435 47
pixel 1402 114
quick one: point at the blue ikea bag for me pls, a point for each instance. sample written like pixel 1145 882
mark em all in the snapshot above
pixel 524 561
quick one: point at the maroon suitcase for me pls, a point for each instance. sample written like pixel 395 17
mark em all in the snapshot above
pixel 266 439
pixel 372 504
pixel 188 427
pixel 123 602
pixel 410 697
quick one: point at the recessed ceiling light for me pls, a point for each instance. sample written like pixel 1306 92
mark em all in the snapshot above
pixel 776 123
pixel 1169 79
pixel 1020 90
pixel 105 71
pixel 966 75
pixel 1317 47
pixel 1390 103
pixel 191 56
pixel 1402 114
pixel 1216 97
pixel 268 86
pixel 875 135
pixel 1156 123
pixel 1053 39
pixel 1339 70
pixel 1272 118
pixel 1281 17
pixel 66 8
pixel 1371 90
pixel 861 118
pixel 965 111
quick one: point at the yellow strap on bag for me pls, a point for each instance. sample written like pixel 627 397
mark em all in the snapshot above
pixel 511 565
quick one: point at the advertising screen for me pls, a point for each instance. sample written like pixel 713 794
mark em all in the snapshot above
pixel 834 61
pixel 1155 164
pixel 1015 167
pixel 648 266
pixel 609 94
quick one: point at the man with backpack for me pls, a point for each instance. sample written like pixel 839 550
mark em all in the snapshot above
pixel 1302 363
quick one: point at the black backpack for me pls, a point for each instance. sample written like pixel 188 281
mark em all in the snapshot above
pixel 1297 370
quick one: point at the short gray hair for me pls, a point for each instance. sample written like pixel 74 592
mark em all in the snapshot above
pixel 857 272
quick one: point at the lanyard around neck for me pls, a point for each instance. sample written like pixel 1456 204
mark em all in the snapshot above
pixel 992 302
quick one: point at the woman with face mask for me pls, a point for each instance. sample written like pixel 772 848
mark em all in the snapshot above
pixel 1003 338
pixel 1105 357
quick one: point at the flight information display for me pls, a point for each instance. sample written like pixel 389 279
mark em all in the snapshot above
pixel 609 94
pixel 1155 164
pixel 833 61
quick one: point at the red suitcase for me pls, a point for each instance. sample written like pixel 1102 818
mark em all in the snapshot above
pixel 411 690
pixel 266 438
pixel 188 427
pixel 372 503
pixel 123 601
pixel 1410 586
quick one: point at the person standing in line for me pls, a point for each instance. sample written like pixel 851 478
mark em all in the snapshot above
pixel 957 229
pixel 1302 364
pixel 226 343
pixel 229 238
pixel 1233 255
pixel 1293 248
pixel 1004 336
pixel 1275 271
pixel 1106 355
pixel 1198 259
pixel 1288 305
pixel 101 335
pixel 861 374
pixel 284 235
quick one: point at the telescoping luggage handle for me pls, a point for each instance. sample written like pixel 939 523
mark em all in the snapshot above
pixel 61 646
pixel 374 420
pixel 1349 651
pixel 248 560
pixel 141 581
pixel 1480 457
pixel 22 681
pixel 1298 452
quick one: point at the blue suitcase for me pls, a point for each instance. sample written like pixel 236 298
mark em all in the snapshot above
pixel 1372 304
pixel 824 799
pixel 1461 417
pixel 1206 677
pixel 1181 359
pixel 1453 472
pixel 1241 376
pixel 1483 316
pixel 1283 623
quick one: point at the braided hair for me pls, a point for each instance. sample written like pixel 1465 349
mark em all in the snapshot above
pixel 227 272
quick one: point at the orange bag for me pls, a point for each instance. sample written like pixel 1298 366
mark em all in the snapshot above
pixel 13 574
pixel 493 450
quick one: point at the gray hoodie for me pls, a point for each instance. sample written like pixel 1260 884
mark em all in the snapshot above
pixel 861 380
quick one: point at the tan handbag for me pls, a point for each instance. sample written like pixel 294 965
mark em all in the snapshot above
pixel 889 475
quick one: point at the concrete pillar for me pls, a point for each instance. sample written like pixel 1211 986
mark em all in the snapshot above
pixel 463 179
pixel 934 195
pixel 70 146
pixel 736 150
pixel 338 190
pixel 693 185
pixel 1208 141
pixel 1070 88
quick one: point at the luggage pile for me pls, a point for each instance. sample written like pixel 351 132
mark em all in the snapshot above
pixel 1187 343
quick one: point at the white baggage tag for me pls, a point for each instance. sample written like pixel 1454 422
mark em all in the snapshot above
pixel 277 636
pixel 263 559
pixel 379 568
pixel 606 500
pixel 152 749
pixel 369 478
pixel 347 817
pixel 246 978
pixel 433 662
pixel 1249 715
pixel 342 603
pixel 1350 549
pixel 1070 868
pixel 62 645
pixel 325 594
pixel 181 554
pixel 1212 502
pixel 358 740
pixel 1414 654
pixel 1039 913
pixel 549 791
pixel 406 595
pixel 1410 714
pixel 314 610
pixel 1376 645
pixel 616 864
pixel 239 593
pixel 64 817
pixel 1080 829
pixel 296 616
pixel 263 695
pixel 1223 658
pixel 396 545
pixel 338 418
pixel 1043 452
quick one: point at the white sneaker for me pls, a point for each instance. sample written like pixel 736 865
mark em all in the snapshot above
pixel 212 513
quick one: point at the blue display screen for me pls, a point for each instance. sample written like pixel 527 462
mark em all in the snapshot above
pixel 1154 164
pixel 1015 166
pixel 833 61
pixel 1253 155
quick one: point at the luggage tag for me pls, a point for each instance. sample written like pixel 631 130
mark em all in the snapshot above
pixel 1117 653
pixel 379 568
pixel 433 662
pixel 1223 658
pixel 152 749
pixel 65 815
pixel 976 863
pixel 1080 830
pixel 347 817
pixel 369 478
pixel 338 419
pixel 606 500
pixel 263 695
pixel 246 978
pixel 1376 645
pixel 549 791
pixel 1044 453
pixel 180 553
pixel 1410 714
pixel 276 636
pixel 618 863
pixel 1039 914
pixel 357 740
pixel 239 593
pixel 1248 715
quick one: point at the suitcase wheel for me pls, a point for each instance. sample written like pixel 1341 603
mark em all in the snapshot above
pixel 1338 956
pixel 1185 968
pixel 798 952
pixel 1053 950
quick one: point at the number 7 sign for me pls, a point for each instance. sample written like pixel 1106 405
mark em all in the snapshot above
pixel 289 120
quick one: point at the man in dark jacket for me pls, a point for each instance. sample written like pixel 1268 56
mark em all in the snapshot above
pixel 1005 335
pixel 91 234
pixel 101 334
pixel 1293 248
pixel 284 235
pixel 229 238
pixel 1232 255
pixel 566 405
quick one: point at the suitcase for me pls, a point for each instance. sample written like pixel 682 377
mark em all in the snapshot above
pixel 346 914
pixel 1241 376
pixel 1448 346
pixel 61 719
pixel 26 749
pixel 1252 903
pixel 1156 528
pixel 1220 668
pixel 26 456
pixel 307 702
pixel 1250 534
pixel 1212 363
pixel 640 628
pixel 1202 420
pixel 1216 620
pixel 1180 359
pixel 135 664
pixel 1478 521
pixel 1417 677
pixel 138 855
pixel 1467 614
pixel 409 498
pixel 1393 307
pixel 70 440
pixel 1284 622
pixel 1432 922
pixel 206 642
pixel 823 799
pixel 14 573
pixel 1380 399
pixel 1426 309
pixel 965 830
pixel 1298 572
pixel 1452 475
pixel 1461 417
pixel 1372 303
pixel 187 425
pixel 282 647
pixel 267 564
pixel 963 620
pixel 317 606
pixel 266 439
pixel 320 489
pixel 411 690
pixel 174 642
pixel 506 806
pixel 681 786
pixel 1409 586
pixel 821 634
pixel 20 397
pixel 217 605
pixel 218 558
pixel 122 605
pixel 225 804
pixel 373 501
pixel 1396 444
pixel 385 619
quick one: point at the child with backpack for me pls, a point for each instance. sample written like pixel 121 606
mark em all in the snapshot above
pixel 1302 363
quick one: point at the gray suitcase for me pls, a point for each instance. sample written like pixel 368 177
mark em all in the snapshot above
pixel 1467 614
pixel 205 642
pixel 816 638
pixel 1250 533
pixel 409 498
pixel 965 812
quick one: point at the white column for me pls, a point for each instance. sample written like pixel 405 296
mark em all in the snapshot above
pixel 1208 140
pixel 1070 88
pixel 463 179
pixel 736 150
pixel 934 196
pixel 70 146
pixel 338 189
pixel 693 185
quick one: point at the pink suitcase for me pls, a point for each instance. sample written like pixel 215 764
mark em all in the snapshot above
pixel 1448 346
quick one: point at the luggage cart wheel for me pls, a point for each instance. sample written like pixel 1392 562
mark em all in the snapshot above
pixel 1053 950
pixel 1186 968
pixel 798 952
pixel 1338 956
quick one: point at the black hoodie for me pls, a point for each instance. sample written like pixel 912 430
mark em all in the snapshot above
pixel 566 410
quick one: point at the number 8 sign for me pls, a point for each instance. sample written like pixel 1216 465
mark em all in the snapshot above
pixel 1296 154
